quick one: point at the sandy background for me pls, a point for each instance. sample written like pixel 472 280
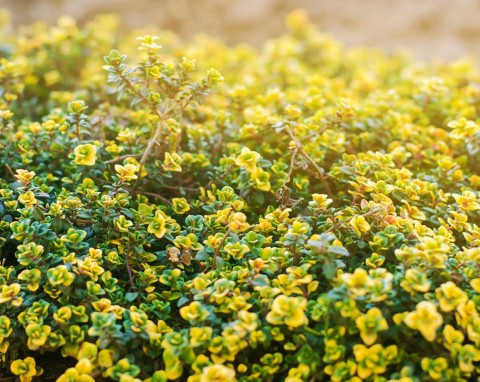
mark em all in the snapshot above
pixel 446 29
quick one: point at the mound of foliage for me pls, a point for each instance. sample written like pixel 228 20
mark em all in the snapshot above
pixel 309 214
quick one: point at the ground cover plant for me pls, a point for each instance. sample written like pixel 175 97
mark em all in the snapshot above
pixel 302 212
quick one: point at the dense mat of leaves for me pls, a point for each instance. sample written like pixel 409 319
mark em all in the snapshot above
pixel 309 214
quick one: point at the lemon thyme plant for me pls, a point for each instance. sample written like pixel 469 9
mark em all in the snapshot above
pixel 310 214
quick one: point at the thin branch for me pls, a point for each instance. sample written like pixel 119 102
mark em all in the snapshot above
pixel 9 169
pixel 219 248
pixel 151 143
pixel 137 92
pixel 162 117
pixel 320 171
pixel 141 192
pixel 292 164
pixel 171 112
pixel 119 159
pixel 177 188
pixel 223 175
pixel 129 270
pixel 318 132
pixel 373 211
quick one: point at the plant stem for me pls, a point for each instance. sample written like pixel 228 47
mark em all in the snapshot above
pixel 129 271
pixel 9 169
pixel 301 150
pixel 161 116
pixel 162 198
pixel 320 131
pixel 340 223
pixel 296 257
pixel 151 143
pixel 119 159
pixel 219 248
pixel 220 177
pixel 292 164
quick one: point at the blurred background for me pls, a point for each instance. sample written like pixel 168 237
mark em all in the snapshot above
pixel 445 29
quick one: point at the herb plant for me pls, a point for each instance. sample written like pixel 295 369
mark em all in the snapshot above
pixel 302 212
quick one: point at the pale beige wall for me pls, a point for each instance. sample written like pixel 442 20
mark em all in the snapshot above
pixel 431 28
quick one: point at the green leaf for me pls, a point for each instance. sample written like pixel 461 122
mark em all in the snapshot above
pixel 131 296
pixel 174 296
pixel 258 198
pixel 337 250
pixel 347 170
pixel 84 215
pixel 56 224
pixel 127 213
pixel 201 256
pixel 182 301
pixel 219 262
pixel 329 270
pixel 144 210
pixel 38 214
